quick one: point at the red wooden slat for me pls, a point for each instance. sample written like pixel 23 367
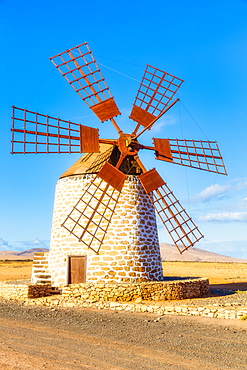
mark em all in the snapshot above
pixel 76 69
pixel 203 155
pixel 64 52
pixel 43 133
pixel 91 77
pixel 89 139
pixel 112 176
pixel 152 94
pixel 151 180
pixel 163 149
pixel 178 223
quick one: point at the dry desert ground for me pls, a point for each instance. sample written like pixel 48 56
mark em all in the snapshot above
pixel 229 275
pixel 15 270
pixel 225 275
pixel 39 337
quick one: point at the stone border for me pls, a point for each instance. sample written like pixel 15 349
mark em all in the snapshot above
pixel 121 292
pixel 21 292
pixel 144 307
pixel 151 290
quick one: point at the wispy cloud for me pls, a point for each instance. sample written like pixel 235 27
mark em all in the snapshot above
pixel 242 205
pixel 36 243
pixel 158 126
pixel 23 245
pixel 217 191
pixel 232 248
pixel 4 245
pixel 225 217
pixel 214 191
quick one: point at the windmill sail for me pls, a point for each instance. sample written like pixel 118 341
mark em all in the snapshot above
pixel 38 133
pixel 203 155
pixel 90 218
pixel 179 225
pixel 79 68
pixel 154 95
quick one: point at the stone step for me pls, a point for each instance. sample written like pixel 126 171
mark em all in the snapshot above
pixel 43 276
pixel 39 281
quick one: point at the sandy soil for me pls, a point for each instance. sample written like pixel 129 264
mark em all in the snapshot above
pixel 15 270
pixel 48 338
pixel 34 337
pixel 230 276
pixel 218 272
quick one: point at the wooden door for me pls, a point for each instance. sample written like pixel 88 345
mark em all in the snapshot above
pixel 77 269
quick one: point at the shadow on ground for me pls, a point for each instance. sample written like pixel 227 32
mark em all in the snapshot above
pixel 229 288
pixel 215 289
pixel 179 278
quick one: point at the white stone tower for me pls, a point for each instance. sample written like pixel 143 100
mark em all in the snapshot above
pixel 130 251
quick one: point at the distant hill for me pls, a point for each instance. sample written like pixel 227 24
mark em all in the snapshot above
pixel 169 252
pixel 23 255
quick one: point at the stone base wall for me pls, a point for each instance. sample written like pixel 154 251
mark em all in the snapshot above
pixel 74 298
pixel 13 291
pixel 23 291
pixel 154 291
pixel 145 307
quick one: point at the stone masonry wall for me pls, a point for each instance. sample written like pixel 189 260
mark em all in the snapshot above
pixel 122 292
pixel 40 268
pixel 74 298
pixel 130 251
pixel 48 296
pixel 152 291
pixel 22 291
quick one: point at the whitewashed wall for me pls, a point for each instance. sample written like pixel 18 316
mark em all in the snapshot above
pixel 130 251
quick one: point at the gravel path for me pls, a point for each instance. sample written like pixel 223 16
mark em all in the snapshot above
pixel 34 337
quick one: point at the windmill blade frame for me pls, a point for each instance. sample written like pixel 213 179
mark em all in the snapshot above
pixel 91 216
pixel 36 133
pixel 154 95
pixel 178 223
pixel 202 155
pixel 176 220
pixel 79 68
pixel 33 132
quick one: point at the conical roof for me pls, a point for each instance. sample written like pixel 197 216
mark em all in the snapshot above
pixel 90 162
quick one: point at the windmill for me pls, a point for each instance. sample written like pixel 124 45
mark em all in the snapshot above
pixel 111 163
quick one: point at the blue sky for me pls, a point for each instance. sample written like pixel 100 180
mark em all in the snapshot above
pixel 203 43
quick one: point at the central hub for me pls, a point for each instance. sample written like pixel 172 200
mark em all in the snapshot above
pixel 128 144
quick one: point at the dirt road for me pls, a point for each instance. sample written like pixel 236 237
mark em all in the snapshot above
pixel 45 338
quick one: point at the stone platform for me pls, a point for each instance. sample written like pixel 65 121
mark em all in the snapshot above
pixel 71 296
pixel 114 292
